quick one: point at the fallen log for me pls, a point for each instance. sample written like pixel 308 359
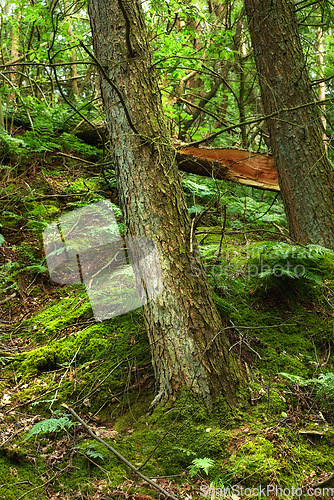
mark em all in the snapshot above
pixel 94 133
pixel 237 165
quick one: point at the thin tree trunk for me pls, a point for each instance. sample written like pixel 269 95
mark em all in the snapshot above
pixel 304 171
pixel 2 121
pixel 14 54
pixel 322 84
pixel 188 347
pixel 73 54
pixel 241 71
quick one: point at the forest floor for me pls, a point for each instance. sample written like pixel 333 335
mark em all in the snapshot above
pixel 53 352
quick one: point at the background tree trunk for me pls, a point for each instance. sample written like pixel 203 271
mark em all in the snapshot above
pixel 14 54
pixel 304 171
pixel 188 347
pixel 322 84
pixel 73 57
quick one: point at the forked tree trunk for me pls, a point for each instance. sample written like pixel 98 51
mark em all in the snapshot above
pixel 304 171
pixel 188 346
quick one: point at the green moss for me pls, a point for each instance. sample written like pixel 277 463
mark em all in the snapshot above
pixel 21 476
pixel 104 357
pixel 72 305
pixel 104 369
pixel 315 457
pixel 82 184
pixel 283 325
pixel 44 210
pixel 258 463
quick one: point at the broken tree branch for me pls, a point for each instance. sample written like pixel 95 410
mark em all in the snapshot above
pixel 117 454
pixel 251 169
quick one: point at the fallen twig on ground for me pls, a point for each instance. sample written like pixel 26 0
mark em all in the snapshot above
pixel 117 454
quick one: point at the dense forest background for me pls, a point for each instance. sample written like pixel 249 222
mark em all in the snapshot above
pixel 273 294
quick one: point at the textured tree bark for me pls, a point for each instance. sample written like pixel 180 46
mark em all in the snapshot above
pixel 187 343
pixel 304 171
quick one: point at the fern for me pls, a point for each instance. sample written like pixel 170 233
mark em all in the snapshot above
pixel 8 272
pixel 184 450
pixel 324 387
pixel 289 262
pixel 35 268
pixel 50 133
pixel 199 464
pixel 10 147
pixel 91 451
pixel 49 426
pixel 251 210
pixel 296 379
pixel 193 188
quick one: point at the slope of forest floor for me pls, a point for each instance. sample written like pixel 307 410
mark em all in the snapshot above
pixel 278 316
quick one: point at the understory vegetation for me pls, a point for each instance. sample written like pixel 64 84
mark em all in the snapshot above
pixel 276 299
pixel 72 389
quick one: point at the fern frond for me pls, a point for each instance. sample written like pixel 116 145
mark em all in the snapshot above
pixel 284 261
pixel 296 379
pixel 201 464
pixel 50 425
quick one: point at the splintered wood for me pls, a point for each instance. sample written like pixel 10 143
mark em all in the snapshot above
pixel 252 169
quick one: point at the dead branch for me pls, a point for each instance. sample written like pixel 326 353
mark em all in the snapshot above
pixel 117 454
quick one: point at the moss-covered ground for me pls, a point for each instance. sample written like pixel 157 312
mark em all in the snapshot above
pixel 52 352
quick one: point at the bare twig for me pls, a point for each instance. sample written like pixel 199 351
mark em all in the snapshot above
pixel 12 296
pixel 256 120
pixel 117 454
pixel 41 485
pixel 323 482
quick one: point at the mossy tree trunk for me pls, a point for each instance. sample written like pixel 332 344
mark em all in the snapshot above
pixel 304 171
pixel 188 346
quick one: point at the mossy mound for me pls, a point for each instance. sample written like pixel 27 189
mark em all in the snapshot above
pixel 281 433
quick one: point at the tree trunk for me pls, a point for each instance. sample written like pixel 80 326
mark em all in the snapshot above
pixel 73 54
pixel 188 347
pixel 322 84
pixel 14 54
pixel 304 171
pixel 2 121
